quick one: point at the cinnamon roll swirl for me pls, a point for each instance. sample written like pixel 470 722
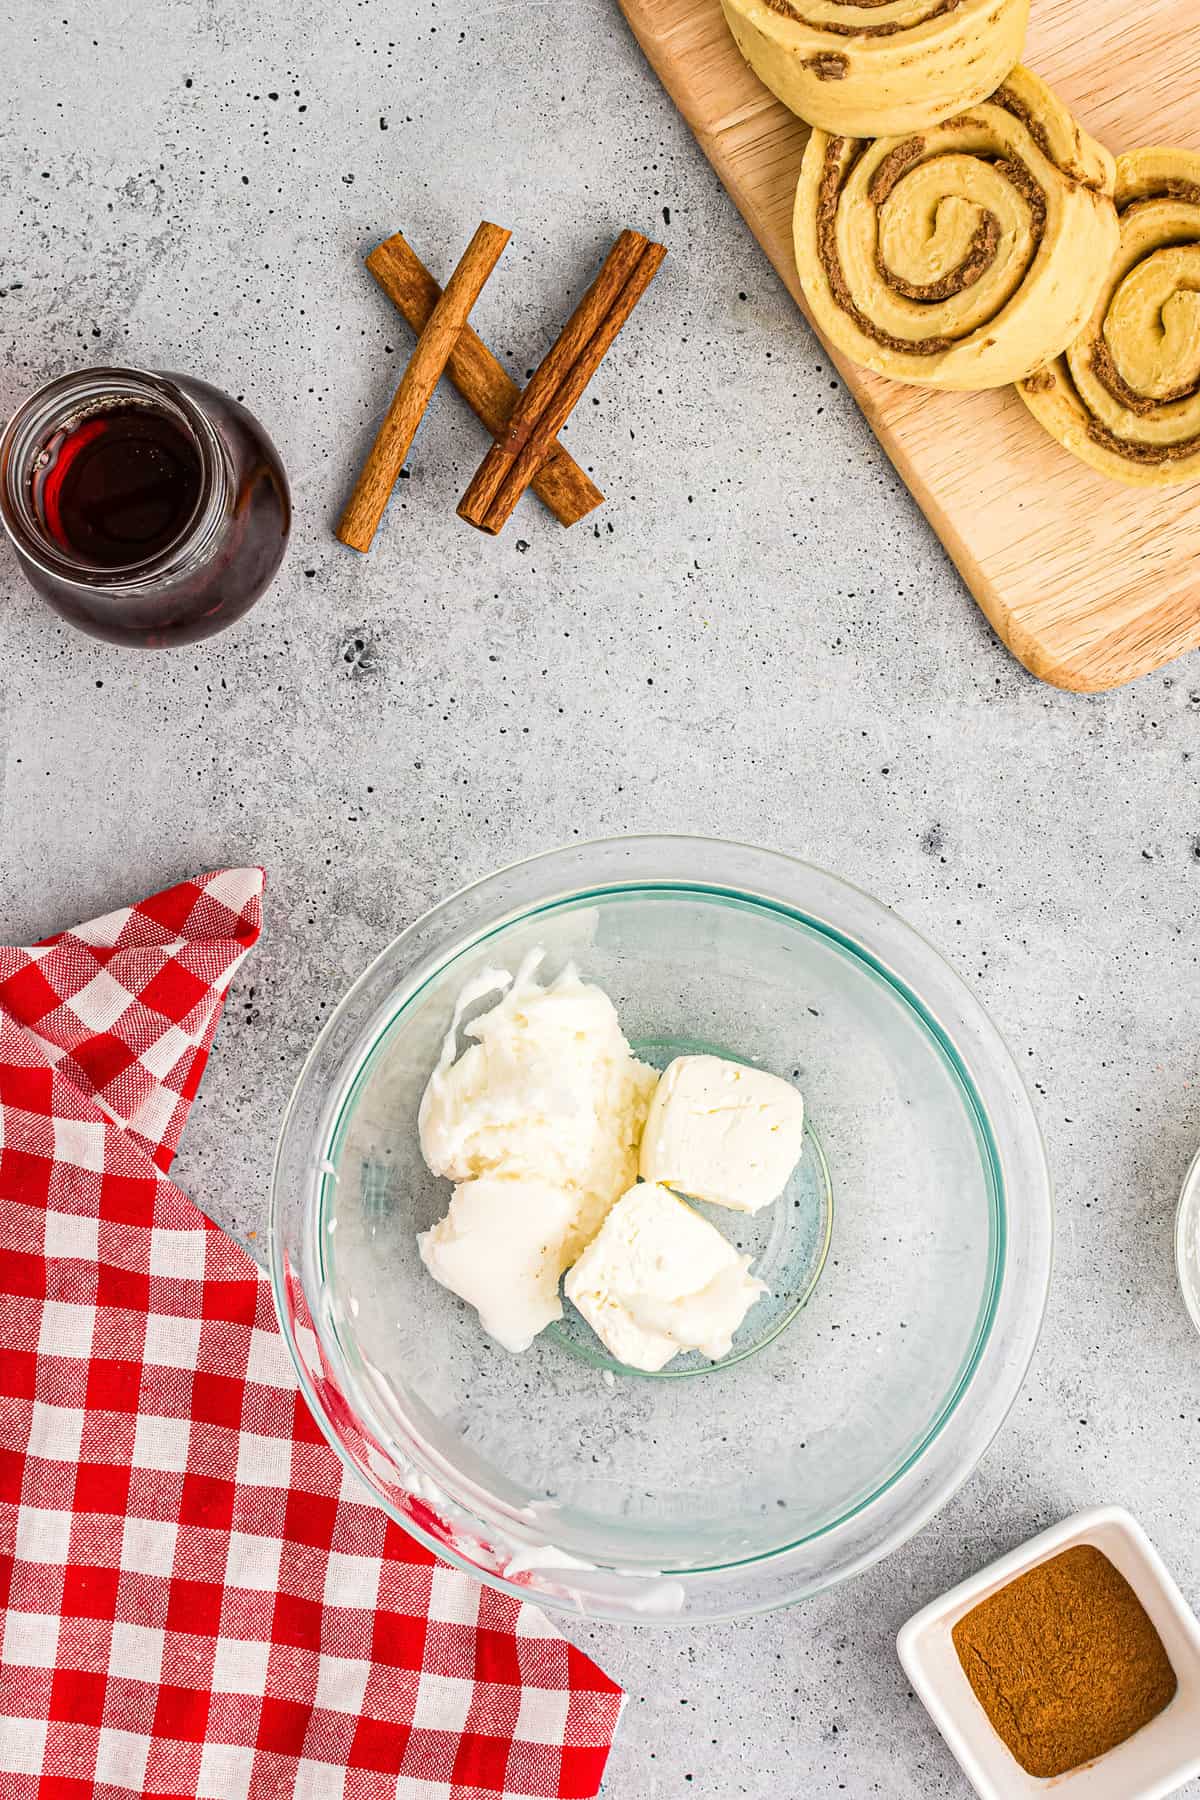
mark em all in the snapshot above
pixel 963 256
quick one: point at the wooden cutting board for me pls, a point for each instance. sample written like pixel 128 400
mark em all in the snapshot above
pixel 1090 583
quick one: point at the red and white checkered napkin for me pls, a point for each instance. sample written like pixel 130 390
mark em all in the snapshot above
pixel 197 1599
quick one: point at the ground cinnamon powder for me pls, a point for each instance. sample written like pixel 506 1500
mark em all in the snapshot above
pixel 1065 1662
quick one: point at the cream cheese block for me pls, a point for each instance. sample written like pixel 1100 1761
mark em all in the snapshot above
pixel 723 1132
pixel 658 1280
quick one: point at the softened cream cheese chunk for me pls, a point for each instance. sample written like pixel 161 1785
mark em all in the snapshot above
pixel 502 1248
pixel 723 1132
pixel 549 1088
pixel 538 1123
pixel 658 1280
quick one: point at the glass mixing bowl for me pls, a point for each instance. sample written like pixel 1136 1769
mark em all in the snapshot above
pixel 909 1260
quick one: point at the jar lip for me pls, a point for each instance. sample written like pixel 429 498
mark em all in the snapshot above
pixel 75 395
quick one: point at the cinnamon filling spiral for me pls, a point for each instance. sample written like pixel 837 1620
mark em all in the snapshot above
pixel 842 156
pixel 836 27
pixel 953 257
pixel 879 68
pixel 1126 395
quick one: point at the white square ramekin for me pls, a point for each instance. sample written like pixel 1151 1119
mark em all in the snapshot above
pixel 1155 1761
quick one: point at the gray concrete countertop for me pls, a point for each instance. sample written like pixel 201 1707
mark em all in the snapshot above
pixel 757 637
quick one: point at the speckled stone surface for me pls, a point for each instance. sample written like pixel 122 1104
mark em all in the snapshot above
pixel 757 637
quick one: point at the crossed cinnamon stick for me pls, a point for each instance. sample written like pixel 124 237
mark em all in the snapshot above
pixel 524 424
pixel 491 393
pixel 557 386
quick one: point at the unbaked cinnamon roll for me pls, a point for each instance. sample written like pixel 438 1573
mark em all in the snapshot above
pixel 964 256
pixel 1126 395
pixel 876 68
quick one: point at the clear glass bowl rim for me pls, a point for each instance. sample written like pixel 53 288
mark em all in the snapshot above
pixel 884 941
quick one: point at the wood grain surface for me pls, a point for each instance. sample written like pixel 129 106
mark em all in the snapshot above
pixel 1088 582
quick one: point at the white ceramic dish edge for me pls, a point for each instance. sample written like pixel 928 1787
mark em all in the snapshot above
pixel 1187 1260
pixel 1155 1762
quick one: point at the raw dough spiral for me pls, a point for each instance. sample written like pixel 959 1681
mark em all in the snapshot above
pixel 876 68
pixel 1126 396
pixel 965 256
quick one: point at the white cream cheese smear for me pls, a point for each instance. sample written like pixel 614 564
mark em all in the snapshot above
pixel 549 1088
pixel 502 1248
pixel 538 1122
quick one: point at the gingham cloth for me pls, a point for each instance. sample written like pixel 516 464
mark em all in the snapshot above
pixel 197 1600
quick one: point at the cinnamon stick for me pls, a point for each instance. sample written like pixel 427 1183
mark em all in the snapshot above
pixel 570 393
pixel 487 388
pixel 559 382
pixel 381 471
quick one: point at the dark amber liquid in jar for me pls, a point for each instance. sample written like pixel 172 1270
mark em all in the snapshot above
pixel 117 488
pixel 147 509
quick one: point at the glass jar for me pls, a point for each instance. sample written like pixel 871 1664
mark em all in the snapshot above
pixel 174 557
